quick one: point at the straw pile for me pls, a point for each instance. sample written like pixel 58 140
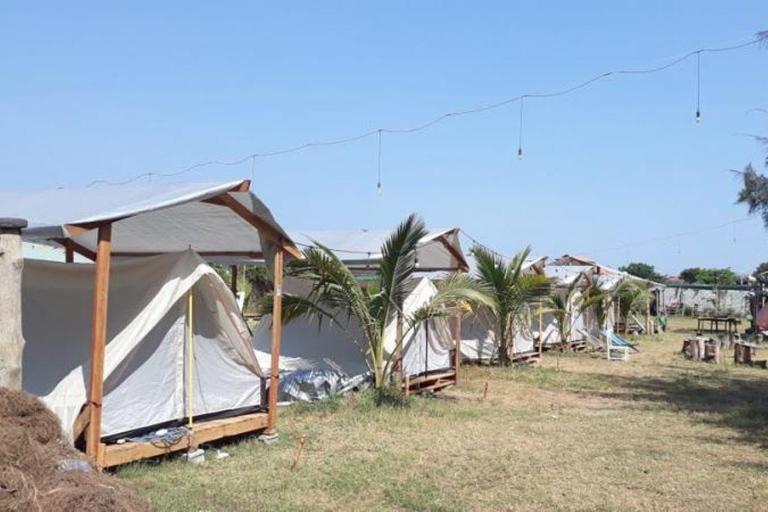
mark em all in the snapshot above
pixel 32 449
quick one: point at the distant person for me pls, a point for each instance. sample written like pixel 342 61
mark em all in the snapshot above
pixel 663 322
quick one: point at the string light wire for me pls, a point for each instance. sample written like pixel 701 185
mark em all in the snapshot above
pixel 378 167
pixel 761 37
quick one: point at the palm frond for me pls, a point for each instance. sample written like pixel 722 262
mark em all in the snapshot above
pixel 398 258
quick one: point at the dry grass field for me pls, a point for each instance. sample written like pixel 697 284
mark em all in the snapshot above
pixel 656 433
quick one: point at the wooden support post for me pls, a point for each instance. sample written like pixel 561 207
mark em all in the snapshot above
pixel 648 317
pixel 541 332
pixel 69 252
pixel 457 344
pixel 11 338
pixel 398 367
pixel 277 333
pixel 233 280
pixel 98 338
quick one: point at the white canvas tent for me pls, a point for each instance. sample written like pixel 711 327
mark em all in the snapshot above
pixel 608 279
pixel 219 221
pixel 150 360
pixel 308 346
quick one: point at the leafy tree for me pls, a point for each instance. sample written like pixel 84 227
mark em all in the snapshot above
pixel 643 271
pixel 709 276
pixel 690 275
pixel 337 296
pixel 763 267
pixel 718 276
pixel 512 293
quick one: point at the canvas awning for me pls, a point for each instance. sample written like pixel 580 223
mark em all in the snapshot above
pixel 440 250
pixel 568 265
pixel 217 220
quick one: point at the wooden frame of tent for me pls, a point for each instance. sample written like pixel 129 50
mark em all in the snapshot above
pixel 89 420
pixel 436 380
pixel 442 379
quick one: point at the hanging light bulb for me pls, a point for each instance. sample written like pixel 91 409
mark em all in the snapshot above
pixel 520 132
pixel 378 167
pixel 416 263
pixel 698 86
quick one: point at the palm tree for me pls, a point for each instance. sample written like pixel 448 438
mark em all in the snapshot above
pixel 633 296
pixel 570 303
pixel 338 297
pixel 512 292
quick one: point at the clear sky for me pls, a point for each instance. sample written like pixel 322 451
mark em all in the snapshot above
pixel 94 90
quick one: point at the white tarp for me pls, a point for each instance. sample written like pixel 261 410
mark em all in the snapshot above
pixel 145 367
pixel 155 218
pixel 478 338
pixel 307 347
pixel 440 250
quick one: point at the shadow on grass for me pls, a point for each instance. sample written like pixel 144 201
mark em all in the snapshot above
pixel 739 403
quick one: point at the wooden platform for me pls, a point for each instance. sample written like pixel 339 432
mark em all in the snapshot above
pixel 576 346
pixel 203 432
pixel 430 382
pixel 531 357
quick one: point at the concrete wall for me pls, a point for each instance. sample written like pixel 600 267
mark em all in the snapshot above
pixel 708 300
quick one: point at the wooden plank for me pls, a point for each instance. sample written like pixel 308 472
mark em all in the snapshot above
pixel 277 333
pixel 433 387
pixel 204 432
pixel 429 378
pixel 81 422
pixel 263 228
pixel 98 339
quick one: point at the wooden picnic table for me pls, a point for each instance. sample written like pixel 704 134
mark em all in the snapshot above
pixel 718 324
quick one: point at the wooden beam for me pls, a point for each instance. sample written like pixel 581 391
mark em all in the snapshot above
pixel 84 227
pixel 277 333
pixel 455 253
pixel 457 344
pixel 233 279
pixel 77 230
pixel 69 252
pixel 98 339
pixel 541 331
pixel 265 229
pixel 244 186
pixel 75 247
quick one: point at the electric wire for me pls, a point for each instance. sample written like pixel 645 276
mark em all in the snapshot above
pixel 421 127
